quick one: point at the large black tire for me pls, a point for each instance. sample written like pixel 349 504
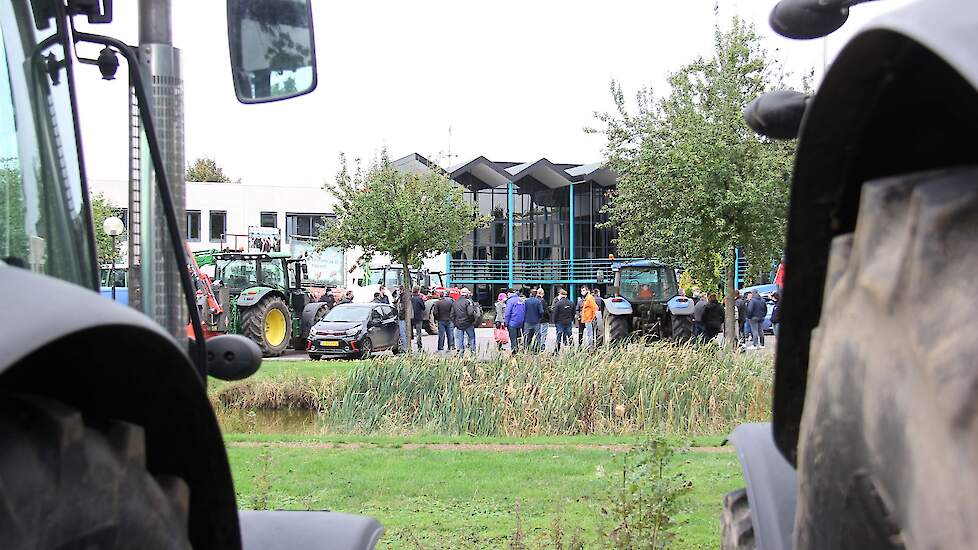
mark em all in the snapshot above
pixel 254 321
pixel 886 448
pixel 69 483
pixel 736 526
pixel 682 328
pixel 430 325
pixel 619 327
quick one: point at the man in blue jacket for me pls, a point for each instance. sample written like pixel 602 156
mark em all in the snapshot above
pixel 756 311
pixel 531 321
pixel 515 315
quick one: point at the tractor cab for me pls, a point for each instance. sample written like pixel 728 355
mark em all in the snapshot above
pixel 645 281
pixel 239 271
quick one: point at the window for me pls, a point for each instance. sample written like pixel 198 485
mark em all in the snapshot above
pixel 306 225
pixel 219 223
pixel 269 219
pixel 193 225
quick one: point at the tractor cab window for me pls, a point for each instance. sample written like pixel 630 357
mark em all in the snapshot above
pixel 237 273
pixel 642 284
pixel 44 219
pixel 272 274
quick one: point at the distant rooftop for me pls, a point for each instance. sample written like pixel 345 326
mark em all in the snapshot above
pixel 480 172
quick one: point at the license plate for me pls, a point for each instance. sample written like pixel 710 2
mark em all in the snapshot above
pixel 331 344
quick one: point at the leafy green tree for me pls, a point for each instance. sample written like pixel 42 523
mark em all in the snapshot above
pixel 206 169
pixel 102 209
pixel 408 216
pixel 694 180
pixel 13 232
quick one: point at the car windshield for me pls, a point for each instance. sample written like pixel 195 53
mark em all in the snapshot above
pixel 348 314
pixel 646 283
pixel 43 206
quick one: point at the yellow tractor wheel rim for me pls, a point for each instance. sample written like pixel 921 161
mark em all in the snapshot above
pixel 274 327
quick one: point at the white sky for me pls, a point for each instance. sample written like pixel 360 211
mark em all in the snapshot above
pixel 515 80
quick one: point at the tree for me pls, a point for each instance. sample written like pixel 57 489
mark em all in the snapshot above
pixel 13 230
pixel 408 216
pixel 206 169
pixel 102 209
pixel 694 181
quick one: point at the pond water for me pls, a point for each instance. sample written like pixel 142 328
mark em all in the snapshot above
pixel 282 421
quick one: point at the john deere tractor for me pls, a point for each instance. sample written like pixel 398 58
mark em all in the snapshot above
pixel 640 301
pixel 261 297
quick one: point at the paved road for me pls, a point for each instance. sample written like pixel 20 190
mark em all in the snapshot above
pixel 486 346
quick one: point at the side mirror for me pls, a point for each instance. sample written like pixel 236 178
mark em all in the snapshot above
pixel 808 19
pixel 232 357
pixel 273 54
pixel 374 322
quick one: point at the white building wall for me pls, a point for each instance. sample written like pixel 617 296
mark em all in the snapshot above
pixel 244 203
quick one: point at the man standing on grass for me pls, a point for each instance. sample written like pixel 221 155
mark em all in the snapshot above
pixel 515 315
pixel 756 311
pixel 443 314
pixel 563 317
pixel 545 320
pixel 464 315
pixel 417 304
pixel 531 321
pixel 698 310
pixel 589 313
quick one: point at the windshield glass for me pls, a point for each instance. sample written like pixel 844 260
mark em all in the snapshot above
pixel 348 314
pixel 640 284
pixel 43 210
pixel 244 273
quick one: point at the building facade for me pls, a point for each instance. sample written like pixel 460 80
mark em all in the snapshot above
pixel 543 229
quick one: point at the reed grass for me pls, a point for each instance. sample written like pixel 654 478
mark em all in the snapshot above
pixel 658 388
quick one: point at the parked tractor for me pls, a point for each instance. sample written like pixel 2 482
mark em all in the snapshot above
pixel 260 296
pixel 640 298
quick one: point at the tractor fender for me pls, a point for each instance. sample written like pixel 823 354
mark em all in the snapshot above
pixel 617 306
pixel 300 530
pixel 680 305
pixel 772 485
pixel 309 318
pixel 251 296
pixel 68 343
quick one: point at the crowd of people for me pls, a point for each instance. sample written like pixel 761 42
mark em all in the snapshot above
pixel 523 317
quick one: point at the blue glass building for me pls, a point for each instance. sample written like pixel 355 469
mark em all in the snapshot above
pixel 543 228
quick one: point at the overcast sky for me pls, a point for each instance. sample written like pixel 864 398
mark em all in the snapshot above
pixel 515 80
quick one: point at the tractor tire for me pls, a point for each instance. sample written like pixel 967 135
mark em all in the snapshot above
pixel 618 328
pixel 430 325
pixel 74 483
pixel 736 525
pixel 682 328
pixel 268 324
pixel 886 438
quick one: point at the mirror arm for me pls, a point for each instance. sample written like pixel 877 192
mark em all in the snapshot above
pixel 163 186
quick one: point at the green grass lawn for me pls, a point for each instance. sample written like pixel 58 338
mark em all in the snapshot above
pixel 466 498
pixel 308 369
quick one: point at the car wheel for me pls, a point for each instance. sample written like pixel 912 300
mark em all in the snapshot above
pixel 367 348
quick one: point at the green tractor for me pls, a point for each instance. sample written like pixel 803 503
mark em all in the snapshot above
pixel 261 297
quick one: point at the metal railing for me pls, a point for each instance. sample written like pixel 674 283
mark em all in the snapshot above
pixel 533 271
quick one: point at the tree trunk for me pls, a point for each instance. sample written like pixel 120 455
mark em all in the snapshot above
pixel 406 300
pixel 729 320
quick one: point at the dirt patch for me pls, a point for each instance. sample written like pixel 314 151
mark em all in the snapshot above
pixel 479 447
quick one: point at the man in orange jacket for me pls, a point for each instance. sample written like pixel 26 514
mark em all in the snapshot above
pixel 589 313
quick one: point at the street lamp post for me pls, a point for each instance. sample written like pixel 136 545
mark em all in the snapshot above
pixel 113 227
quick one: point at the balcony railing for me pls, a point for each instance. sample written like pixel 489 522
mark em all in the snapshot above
pixel 584 270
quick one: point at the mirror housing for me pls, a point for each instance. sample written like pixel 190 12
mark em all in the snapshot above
pixel 273 51
pixel 808 19
pixel 777 114
pixel 232 357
